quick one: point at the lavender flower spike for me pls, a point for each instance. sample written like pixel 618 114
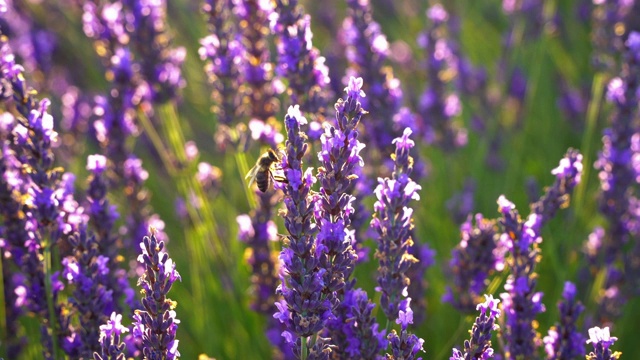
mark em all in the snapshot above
pixel 602 340
pixel 564 340
pixel 405 346
pixel 304 308
pixel 340 157
pixel 479 346
pixel 393 223
pixel 472 262
pixel 110 339
pixel 521 303
pixel 155 325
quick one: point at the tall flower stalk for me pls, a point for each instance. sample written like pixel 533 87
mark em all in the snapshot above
pixel 305 306
pixel 155 325
pixel 393 222
pixel 479 346
pixel 565 340
pixel 521 302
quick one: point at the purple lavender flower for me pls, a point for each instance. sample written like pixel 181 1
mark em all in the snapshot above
pixel 479 346
pixel 298 61
pixel 110 339
pixel 416 274
pixel 606 16
pixel 359 337
pixel 568 175
pixel 92 297
pixel 223 54
pixel 339 157
pixel 461 204
pixel 160 62
pixel 393 223
pixel 257 230
pixel 39 181
pixel 405 346
pixel 257 68
pixel 472 262
pixel 439 105
pixel 156 324
pixel 367 50
pixel 564 340
pixel 602 340
pixel 618 174
pixel 103 215
pixel 305 308
pixel 521 303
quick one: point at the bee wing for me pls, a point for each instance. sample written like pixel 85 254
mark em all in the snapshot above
pixel 251 175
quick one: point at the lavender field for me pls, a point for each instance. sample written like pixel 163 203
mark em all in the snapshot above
pixel 357 179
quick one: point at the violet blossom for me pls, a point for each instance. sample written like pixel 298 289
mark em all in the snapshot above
pixel 155 324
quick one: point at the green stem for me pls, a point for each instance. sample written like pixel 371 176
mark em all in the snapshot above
pixel 303 348
pixel 50 305
pixel 593 112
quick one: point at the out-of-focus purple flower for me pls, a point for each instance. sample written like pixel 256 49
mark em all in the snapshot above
pixel 258 231
pixel 479 346
pixel 298 61
pixel 367 50
pixel 439 105
pixel 564 340
pixel 160 62
pixel 209 176
pixel 156 324
pixel 111 345
pixel 568 175
pixel 606 17
pixel 416 273
pixel 618 176
pixel 256 66
pixel 393 222
pixel 602 340
pixel 472 262
pixel 461 204
pixel 223 54
pixel 305 308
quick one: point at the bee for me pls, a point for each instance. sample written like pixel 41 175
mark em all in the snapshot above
pixel 262 172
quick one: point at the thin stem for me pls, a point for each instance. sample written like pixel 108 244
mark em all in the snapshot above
pixel 303 348
pixel 50 305
pixel 593 113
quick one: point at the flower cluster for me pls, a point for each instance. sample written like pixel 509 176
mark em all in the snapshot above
pixel 367 50
pixel 298 61
pixel 472 262
pixel 440 105
pixel 564 340
pixel 602 340
pixel 479 346
pixel 155 325
pixel 110 339
pixel 305 307
pixel 393 222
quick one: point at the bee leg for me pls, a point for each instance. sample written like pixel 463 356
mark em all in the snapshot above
pixel 280 178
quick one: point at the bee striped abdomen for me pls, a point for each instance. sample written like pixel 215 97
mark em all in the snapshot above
pixel 263 180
